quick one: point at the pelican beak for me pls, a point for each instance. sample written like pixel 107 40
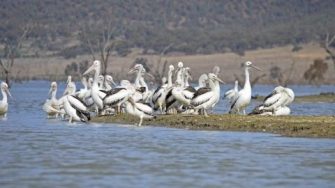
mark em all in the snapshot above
pixel 222 82
pixel 190 75
pixel 7 91
pixel 49 93
pixel 253 66
pixel 113 83
pixel 66 92
pixel 89 70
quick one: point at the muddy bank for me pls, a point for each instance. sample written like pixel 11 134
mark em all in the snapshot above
pixel 295 126
pixel 324 98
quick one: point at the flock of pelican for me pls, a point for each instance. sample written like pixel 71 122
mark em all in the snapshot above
pixel 100 95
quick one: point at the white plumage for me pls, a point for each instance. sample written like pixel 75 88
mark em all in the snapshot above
pixel 51 106
pixel 244 95
pixel 276 103
pixel 4 102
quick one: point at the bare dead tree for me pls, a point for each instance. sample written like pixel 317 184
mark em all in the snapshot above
pixel 159 73
pixel 101 41
pixel 315 73
pixel 327 46
pixel 11 49
pixel 282 77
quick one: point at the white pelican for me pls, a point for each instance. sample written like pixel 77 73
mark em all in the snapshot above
pixel 180 74
pixel 205 98
pixel 117 96
pixel 216 70
pixel 183 93
pixel 141 110
pixel 70 89
pixel 140 84
pixel 69 81
pixel 3 102
pixel 84 92
pixel 244 95
pixel 202 81
pixel 232 93
pixel 96 94
pixel 75 108
pixel 109 82
pixel 159 96
pixel 51 106
pixel 276 103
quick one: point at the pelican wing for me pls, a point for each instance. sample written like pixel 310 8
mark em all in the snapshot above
pixel 101 94
pixel 145 108
pixel 200 99
pixel 272 99
pixel 77 103
pixel 201 91
pixel 274 92
pixel 190 89
pixel 189 92
pixel 158 92
pixel 115 97
pixel 113 91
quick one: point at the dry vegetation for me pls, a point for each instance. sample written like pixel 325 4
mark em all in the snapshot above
pixel 283 57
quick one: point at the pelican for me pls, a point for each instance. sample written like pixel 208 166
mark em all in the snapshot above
pixel 159 96
pixel 244 95
pixel 202 81
pixel 96 94
pixel 109 81
pixel 117 96
pixel 3 102
pixel 51 106
pixel 205 98
pixel 70 89
pixel 216 70
pixel 75 108
pixel 84 92
pixel 232 93
pixel 69 81
pixel 141 110
pixel 276 102
pixel 184 93
pixel 140 84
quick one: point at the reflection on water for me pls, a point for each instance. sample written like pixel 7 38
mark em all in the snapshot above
pixel 37 152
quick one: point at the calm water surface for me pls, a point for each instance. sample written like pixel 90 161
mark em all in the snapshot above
pixel 36 152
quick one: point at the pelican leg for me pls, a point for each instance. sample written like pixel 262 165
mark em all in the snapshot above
pixel 141 120
pixel 70 119
pixel 244 112
pixel 118 109
pixel 205 113
pixel 161 109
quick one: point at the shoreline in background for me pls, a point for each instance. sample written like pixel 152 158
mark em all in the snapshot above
pixel 291 126
pixel 53 68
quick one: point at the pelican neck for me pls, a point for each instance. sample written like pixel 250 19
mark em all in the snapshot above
pixel 4 96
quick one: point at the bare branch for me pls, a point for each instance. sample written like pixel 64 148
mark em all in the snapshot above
pixel 90 46
pixel 26 30
pixel 327 47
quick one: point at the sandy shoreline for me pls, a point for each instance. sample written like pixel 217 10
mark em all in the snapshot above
pixel 292 126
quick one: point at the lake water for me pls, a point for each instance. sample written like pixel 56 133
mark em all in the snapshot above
pixel 37 152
